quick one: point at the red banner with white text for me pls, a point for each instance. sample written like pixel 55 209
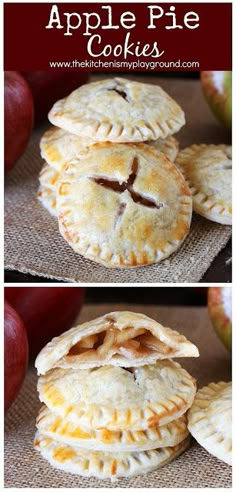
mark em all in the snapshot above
pixel 120 36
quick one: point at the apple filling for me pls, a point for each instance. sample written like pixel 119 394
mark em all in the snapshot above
pixel 120 93
pixel 129 342
pixel 128 185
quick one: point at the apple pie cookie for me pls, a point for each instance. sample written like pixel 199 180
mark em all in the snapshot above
pixel 208 172
pixel 210 419
pixel 67 431
pixel 48 199
pixel 119 338
pixel 58 147
pixel 124 205
pixel 118 110
pixel 117 398
pixel 48 178
pixel 169 146
pixel 102 464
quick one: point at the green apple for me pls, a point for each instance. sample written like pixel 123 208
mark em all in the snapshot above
pixel 217 87
pixel 220 310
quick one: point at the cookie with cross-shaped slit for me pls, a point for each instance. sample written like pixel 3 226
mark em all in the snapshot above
pixel 208 172
pixel 124 205
pixel 118 110
pixel 58 147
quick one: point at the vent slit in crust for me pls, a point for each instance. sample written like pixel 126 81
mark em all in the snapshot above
pixel 127 186
pixel 120 213
pixel 120 93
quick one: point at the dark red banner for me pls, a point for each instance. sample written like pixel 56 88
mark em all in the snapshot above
pixel 120 36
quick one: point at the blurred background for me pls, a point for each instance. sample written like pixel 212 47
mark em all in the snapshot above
pixel 39 313
pixel 154 73
pixel 187 296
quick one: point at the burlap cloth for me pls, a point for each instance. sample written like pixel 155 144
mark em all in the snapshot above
pixel 195 468
pixel 33 243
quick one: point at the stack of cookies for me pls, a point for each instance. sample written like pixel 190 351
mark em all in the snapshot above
pixel 115 402
pixel 110 177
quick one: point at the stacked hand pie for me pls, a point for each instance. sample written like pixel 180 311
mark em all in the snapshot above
pixel 114 400
pixel 110 177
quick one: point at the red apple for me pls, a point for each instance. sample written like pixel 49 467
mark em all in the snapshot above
pixel 220 310
pixel 49 86
pixel 15 354
pixel 46 311
pixel 217 87
pixel 18 117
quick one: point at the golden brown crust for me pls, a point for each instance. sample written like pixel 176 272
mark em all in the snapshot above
pixel 117 398
pixel 124 205
pixel 120 338
pixel 48 199
pixel 105 465
pixel 210 419
pixel 208 172
pixel 118 110
pixel 48 178
pixel 67 431
pixel 58 147
pixel 169 146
